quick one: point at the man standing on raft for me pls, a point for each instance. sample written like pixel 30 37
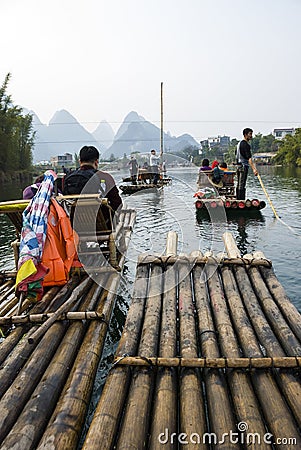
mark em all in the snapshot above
pixel 244 160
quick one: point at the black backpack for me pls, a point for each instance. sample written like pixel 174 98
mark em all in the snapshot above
pixel 75 181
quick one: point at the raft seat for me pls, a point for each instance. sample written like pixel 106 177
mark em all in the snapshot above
pixel 94 221
pixel 228 189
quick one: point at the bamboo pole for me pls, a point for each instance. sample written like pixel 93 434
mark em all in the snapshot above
pixel 164 415
pixel 37 318
pixel 243 396
pixel 63 292
pixel 37 411
pixel 65 426
pixel 15 335
pixel 221 419
pixel 289 311
pixel 171 243
pixel 108 412
pixel 133 430
pixel 267 196
pixel 9 306
pixel 6 289
pixel 278 323
pixel 161 126
pixel 278 417
pixel 208 259
pixel 192 409
pixel 21 353
pixel 248 363
pixel 20 390
pixel 76 294
pixel 8 274
pixel 289 384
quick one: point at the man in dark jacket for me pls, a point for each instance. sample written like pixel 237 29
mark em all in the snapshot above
pixel 89 180
pixel 244 159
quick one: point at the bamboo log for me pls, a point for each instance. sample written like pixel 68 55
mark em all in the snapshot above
pixel 37 318
pixel 9 306
pixel 6 290
pixel 249 363
pixel 206 259
pixel 20 390
pixel 134 427
pixel 8 275
pixel 192 410
pixel 37 411
pixel 76 294
pixel 109 409
pixel 230 245
pixel 289 311
pixel 63 293
pixel 171 243
pixel 243 396
pixel 277 415
pixel 221 419
pixel 13 338
pixel 65 426
pixel 278 323
pixel 164 414
pixel 22 351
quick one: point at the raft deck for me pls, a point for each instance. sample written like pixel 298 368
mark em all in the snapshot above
pixel 51 353
pixel 211 346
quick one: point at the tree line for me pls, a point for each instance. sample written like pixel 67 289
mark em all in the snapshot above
pixel 16 134
pixel 288 150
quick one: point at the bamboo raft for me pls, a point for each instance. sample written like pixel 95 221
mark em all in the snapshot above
pixel 133 188
pixel 51 352
pixel 230 204
pixel 210 347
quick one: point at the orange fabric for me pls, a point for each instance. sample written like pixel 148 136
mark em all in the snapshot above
pixel 60 246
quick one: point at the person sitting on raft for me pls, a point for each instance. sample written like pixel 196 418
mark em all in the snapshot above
pixel 205 165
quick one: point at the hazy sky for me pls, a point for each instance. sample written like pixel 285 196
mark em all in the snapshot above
pixel 225 64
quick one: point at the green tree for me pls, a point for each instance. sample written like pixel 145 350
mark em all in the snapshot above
pixel 230 156
pixel 76 160
pixel 256 142
pixel 267 144
pixel 16 135
pixel 289 152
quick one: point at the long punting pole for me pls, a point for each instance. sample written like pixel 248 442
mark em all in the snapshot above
pixel 161 128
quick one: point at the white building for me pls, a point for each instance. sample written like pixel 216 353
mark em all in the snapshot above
pixel 280 133
pixel 62 160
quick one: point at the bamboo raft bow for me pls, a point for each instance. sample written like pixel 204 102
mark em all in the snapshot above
pixel 205 348
pixel 50 356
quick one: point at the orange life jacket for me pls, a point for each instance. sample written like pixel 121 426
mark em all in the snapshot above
pixel 60 246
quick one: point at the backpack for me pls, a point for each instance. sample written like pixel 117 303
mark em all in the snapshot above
pixel 75 181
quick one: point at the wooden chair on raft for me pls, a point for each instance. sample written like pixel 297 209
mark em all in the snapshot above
pixel 224 188
pixel 95 222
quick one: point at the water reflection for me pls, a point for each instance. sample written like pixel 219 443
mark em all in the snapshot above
pixel 240 223
pixel 7 235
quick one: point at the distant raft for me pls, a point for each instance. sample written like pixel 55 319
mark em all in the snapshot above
pixel 143 186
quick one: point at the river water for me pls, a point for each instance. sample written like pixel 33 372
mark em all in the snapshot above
pixel 173 208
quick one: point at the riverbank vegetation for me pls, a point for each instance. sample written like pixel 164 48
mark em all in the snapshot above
pixel 16 136
pixel 289 153
pixel 288 150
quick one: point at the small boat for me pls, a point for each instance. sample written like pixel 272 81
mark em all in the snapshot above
pixel 211 195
